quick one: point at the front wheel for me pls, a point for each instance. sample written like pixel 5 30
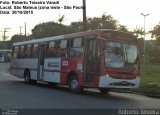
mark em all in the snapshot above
pixel 74 85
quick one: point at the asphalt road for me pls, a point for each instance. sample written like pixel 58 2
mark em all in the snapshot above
pixel 14 93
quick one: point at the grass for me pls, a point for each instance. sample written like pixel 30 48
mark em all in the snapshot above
pixel 150 80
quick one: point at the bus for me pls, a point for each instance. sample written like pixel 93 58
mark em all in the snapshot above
pixel 104 59
pixel 5 55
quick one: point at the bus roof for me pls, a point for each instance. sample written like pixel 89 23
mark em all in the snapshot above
pixel 39 40
pixel 46 39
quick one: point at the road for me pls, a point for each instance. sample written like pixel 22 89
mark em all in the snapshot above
pixel 14 93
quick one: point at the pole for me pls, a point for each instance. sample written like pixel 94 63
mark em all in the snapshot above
pixel 144 44
pixel 5 30
pixel 84 16
pixel 4 36
pixel 20 30
pixel 25 29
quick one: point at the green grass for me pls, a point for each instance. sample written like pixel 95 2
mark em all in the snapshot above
pixel 150 80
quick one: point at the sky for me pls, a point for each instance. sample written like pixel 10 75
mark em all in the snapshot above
pixel 127 12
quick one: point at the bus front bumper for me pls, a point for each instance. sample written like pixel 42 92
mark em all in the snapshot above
pixel 109 82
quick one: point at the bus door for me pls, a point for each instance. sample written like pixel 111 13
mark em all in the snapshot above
pixel 91 59
pixel 41 56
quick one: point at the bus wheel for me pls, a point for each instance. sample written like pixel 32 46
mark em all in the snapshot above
pixel 27 77
pixel 104 90
pixel 74 85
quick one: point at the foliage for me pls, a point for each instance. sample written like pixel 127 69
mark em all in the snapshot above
pixel 156 31
pixel 53 29
pixel 149 75
pixel 156 49
pixel 49 29
pixel 76 26
pixel 122 28
pixel 103 22
pixel 18 38
pixel 139 32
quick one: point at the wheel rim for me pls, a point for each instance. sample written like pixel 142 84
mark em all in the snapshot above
pixel 74 84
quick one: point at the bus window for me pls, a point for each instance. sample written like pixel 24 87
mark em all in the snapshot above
pixel 51 44
pixel 76 49
pixel 63 50
pixel 28 51
pixel 51 50
pixel 22 50
pixel 15 52
pixel 63 44
pixel 35 51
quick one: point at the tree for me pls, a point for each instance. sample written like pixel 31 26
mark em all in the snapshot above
pixel 103 22
pixel 156 49
pixel 49 29
pixel 156 31
pixel 139 32
pixel 122 28
pixel 108 22
pixel 18 38
pixel 61 19
pixel 76 26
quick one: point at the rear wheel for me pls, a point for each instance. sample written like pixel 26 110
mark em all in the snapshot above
pixel 74 84
pixel 27 77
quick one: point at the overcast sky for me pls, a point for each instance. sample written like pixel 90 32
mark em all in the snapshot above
pixel 127 12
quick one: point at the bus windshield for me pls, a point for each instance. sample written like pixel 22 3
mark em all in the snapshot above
pixel 121 55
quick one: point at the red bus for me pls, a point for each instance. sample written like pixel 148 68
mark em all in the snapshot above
pixel 102 59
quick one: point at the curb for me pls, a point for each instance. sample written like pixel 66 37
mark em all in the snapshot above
pixel 149 95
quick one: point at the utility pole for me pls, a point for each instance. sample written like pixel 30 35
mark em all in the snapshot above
pixel 20 30
pixel 84 16
pixel 4 34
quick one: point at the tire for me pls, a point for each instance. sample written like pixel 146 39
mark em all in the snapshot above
pixel 27 77
pixel 104 90
pixel 74 85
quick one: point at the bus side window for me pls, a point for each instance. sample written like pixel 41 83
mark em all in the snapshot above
pixel 28 51
pixel 63 50
pixel 22 50
pixel 57 47
pixel 51 50
pixel 76 49
pixel 15 52
pixel 35 51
